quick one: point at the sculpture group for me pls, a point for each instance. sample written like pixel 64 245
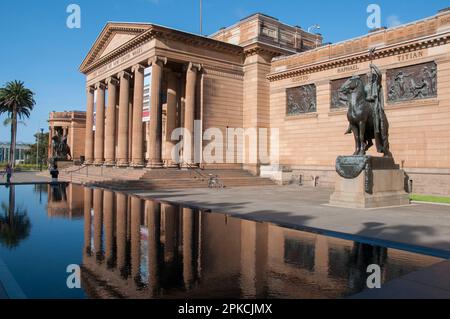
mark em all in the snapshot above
pixel 60 148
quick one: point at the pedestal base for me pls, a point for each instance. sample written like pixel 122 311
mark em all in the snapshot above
pixel 368 182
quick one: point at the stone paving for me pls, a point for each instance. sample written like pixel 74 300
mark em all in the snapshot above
pixel 19 178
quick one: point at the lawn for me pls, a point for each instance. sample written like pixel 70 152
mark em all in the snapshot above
pixel 430 199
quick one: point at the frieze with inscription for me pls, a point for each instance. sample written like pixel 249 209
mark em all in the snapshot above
pixel 301 100
pixel 413 82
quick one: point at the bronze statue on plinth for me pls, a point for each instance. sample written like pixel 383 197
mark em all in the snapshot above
pixel 382 183
pixel 366 111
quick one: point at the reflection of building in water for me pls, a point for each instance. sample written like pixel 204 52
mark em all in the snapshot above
pixel 65 200
pixel 142 249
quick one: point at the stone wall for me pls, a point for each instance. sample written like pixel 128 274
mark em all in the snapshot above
pixel 419 125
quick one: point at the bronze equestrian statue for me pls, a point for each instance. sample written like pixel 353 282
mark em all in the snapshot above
pixel 366 114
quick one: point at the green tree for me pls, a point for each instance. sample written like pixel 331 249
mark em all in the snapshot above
pixel 17 102
pixel 43 148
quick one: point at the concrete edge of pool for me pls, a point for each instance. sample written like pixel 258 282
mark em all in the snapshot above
pixel 9 288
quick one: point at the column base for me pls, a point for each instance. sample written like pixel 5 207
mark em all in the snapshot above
pixel 122 164
pixel 109 163
pixel 98 162
pixel 155 165
pixel 139 164
pixel 88 162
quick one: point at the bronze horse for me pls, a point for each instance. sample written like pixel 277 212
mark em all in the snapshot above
pixel 363 116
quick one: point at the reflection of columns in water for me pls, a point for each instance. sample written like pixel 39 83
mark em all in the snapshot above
pixel 248 259
pixel 135 237
pixel 170 231
pixel 153 213
pixel 108 209
pixel 87 220
pixel 98 212
pixel 121 235
pixel 321 263
pixel 188 218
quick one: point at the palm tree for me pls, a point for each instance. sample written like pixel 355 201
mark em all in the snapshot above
pixel 18 102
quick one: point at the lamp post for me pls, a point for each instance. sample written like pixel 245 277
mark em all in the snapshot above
pixel 40 157
pixel 314 27
pixel 37 150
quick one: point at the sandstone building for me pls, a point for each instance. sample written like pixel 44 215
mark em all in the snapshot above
pixel 145 80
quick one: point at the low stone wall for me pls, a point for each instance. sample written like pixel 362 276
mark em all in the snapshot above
pixel 424 180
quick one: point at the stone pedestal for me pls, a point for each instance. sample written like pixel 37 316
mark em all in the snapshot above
pixel 368 182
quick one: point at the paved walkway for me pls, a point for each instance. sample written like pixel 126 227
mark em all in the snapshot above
pixel 19 178
pixel 424 225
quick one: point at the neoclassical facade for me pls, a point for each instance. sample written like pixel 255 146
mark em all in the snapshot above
pixel 145 80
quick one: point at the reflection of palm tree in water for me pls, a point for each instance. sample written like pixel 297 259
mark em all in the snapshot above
pixel 15 225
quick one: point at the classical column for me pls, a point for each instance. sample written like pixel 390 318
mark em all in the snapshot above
pixel 124 98
pixel 110 131
pixel 99 153
pixel 89 135
pixel 137 155
pixel 189 112
pixel 171 119
pixel 155 131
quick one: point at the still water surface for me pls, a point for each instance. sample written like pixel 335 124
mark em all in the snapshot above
pixel 128 247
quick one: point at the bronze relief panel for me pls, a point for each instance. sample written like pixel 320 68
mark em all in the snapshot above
pixel 301 100
pixel 413 82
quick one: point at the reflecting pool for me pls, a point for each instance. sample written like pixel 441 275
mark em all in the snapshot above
pixel 128 247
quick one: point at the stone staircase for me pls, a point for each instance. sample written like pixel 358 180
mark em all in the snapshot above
pixel 95 174
pixel 127 179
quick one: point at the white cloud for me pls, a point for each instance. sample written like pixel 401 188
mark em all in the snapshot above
pixel 393 21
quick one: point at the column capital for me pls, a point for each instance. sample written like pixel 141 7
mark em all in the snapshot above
pixel 137 68
pixel 124 75
pixel 90 89
pixel 193 66
pixel 112 81
pixel 100 85
pixel 157 59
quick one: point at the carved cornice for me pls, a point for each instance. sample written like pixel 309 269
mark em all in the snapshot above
pixel 363 56
pixel 107 35
pixel 264 49
pixel 154 31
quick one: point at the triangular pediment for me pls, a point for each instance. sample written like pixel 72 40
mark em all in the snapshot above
pixel 112 37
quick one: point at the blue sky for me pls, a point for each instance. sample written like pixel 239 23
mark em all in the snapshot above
pixel 40 50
